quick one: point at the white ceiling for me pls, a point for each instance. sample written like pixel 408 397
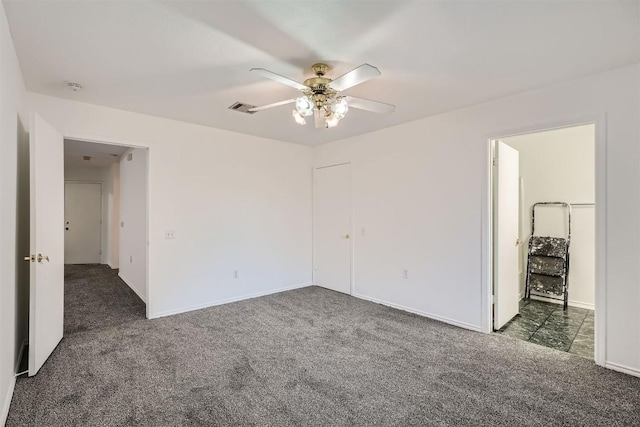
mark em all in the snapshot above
pixel 190 60
pixel 102 155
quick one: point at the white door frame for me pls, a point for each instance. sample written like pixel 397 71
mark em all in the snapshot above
pixel 130 144
pixel 75 181
pixel 600 222
pixel 351 240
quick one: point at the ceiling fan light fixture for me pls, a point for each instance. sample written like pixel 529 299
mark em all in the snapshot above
pixel 323 97
pixel 304 106
pixel 299 118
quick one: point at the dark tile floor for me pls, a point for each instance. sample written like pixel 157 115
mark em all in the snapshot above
pixel 549 325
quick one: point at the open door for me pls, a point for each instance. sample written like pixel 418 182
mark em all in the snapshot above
pixel 46 163
pixel 506 242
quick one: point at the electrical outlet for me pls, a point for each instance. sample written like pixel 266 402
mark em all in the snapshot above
pixel 169 234
pixel 235 274
pixel 131 259
pixel 405 273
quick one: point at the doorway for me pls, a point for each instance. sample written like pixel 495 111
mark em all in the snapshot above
pixel 105 209
pixel 332 227
pixel 544 248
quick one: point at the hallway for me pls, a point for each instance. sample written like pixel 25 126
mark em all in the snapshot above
pixel 95 298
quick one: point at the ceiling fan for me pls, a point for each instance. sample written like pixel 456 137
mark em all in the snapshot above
pixel 323 98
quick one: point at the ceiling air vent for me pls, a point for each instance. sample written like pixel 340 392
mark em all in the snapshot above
pixel 243 108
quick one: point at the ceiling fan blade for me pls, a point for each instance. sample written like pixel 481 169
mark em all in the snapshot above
pixel 280 79
pixel 369 105
pixel 319 118
pixel 354 77
pixel 275 104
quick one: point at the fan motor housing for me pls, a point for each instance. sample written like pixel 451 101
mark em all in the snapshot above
pixel 317 83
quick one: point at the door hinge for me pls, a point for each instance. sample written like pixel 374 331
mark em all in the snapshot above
pixel 495 161
pixel 493 299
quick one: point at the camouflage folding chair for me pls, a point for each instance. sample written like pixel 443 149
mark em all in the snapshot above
pixel 548 261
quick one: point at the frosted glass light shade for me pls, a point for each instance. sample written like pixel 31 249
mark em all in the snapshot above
pixel 340 108
pixel 331 121
pixel 299 118
pixel 304 106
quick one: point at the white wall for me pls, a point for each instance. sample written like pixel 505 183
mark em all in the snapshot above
pixel 421 192
pixel 105 177
pixel 559 165
pixel 11 92
pixel 113 219
pixel 235 202
pixel 133 220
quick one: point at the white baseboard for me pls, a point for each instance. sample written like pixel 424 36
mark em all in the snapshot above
pixel 7 401
pixel 113 266
pixel 459 324
pixel 571 303
pixel 624 369
pixel 226 301
pixel 142 297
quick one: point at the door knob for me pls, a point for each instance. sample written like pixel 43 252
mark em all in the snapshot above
pixel 518 242
pixel 346 236
pixel 31 258
pixel 42 258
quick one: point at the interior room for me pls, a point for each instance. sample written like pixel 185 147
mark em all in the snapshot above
pixel 556 177
pixel 306 226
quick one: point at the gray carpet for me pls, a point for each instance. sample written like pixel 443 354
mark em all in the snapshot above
pixel 309 357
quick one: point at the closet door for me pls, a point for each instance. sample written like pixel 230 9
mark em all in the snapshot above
pixel 332 227
pixel 506 217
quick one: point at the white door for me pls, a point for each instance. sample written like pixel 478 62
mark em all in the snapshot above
pixel 82 224
pixel 332 227
pixel 46 241
pixel 506 217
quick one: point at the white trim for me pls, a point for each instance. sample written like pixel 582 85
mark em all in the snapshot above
pixel 622 368
pixel 126 281
pixel 332 165
pixel 7 401
pixel 486 241
pixel 572 303
pixel 227 301
pixel 352 240
pixel 600 296
pixel 443 319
